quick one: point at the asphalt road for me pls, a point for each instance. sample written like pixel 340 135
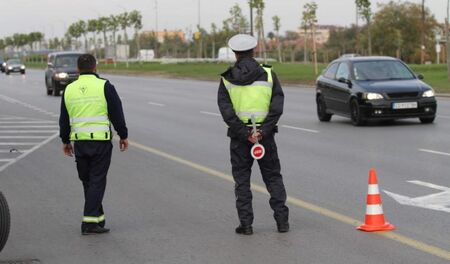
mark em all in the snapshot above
pixel 170 197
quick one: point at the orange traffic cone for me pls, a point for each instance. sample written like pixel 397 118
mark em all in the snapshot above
pixel 374 212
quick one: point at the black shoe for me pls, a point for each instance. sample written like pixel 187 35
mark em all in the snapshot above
pixel 95 230
pixel 283 228
pixel 244 230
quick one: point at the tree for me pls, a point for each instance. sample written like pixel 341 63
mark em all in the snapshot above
pixel 237 20
pixel 277 26
pixel 213 39
pixel 124 22
pixel 74 32
pixel 136 21
pixel 365 12
pixel 310 19
pixel 259 24
pixel 392 34
pixel 102 26
pixel 422 34
pixel 92 27
pixel 113 25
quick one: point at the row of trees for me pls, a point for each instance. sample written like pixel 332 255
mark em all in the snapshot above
pixel 106 25
pixel 20 39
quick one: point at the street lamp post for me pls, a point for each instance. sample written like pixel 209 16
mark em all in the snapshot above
pixel 447 38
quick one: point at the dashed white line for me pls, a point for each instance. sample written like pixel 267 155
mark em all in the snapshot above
pixel 27 122
pixel 210 113
pixel 435 152
pixel 6 160
pixel 17 143
pixel 28 131
pixel 29 126
pixel 445 117
pixel 301 129
pixel 156 104
pixel 23 137
pixel 13 151
pixel 23 155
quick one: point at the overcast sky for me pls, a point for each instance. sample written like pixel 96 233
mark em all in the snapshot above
pixel 53 16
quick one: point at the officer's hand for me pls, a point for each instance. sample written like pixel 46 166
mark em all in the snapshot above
pixel 123 144
pixel 68 150
pixel 255 137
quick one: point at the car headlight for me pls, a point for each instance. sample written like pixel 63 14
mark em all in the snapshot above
pixel 22 67
pixel 9 68
pixel 4 64
pixel 62 75
pixel 429 93
pixel 373 96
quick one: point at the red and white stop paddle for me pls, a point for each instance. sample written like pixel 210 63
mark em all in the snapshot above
pixel 258 150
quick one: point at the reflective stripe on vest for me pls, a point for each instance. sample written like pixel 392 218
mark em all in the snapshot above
pixel 87 108
pixel 253 99
pixel 93 219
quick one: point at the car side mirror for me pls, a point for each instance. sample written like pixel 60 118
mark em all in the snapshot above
pixel 346 81
pixel 50 64
pixel 420 76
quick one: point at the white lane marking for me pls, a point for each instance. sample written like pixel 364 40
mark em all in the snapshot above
pixel 14 151
pixel 301 129
pixel 156 104
pixel 445 117
pixel 27 105
pixel 28 131
pixel 23 155
pixel 435 152
pixel 28 126
pixel 437 201
pixel 12 118
pixel 6 160
pixel 23 137
pixel 27 122
pixel 210 113
pixel 17 143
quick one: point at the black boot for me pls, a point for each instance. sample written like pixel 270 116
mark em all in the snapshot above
pixel 283 227
pixel 94 230
pixel 244 230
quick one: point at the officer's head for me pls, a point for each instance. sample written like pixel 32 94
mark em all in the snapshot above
pixel 243 46
pixel 87 63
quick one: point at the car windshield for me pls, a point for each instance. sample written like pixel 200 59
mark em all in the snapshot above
pixel 14 62
pixel 67 61
pixel 381 70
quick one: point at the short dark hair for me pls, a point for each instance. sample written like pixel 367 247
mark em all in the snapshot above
pixel 86 63
pixel 245 54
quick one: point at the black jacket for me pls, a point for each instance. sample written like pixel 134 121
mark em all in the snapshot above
pixel 115 113
pixel 245 72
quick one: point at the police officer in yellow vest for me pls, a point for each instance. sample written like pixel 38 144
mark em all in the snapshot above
pixel 88 108
pixel 247 89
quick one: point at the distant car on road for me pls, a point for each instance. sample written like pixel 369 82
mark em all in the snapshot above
pixel 14 65
pixel 2 65
pixel 373 88
pixel 61 71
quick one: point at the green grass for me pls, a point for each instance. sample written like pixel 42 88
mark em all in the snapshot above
pixel 288 73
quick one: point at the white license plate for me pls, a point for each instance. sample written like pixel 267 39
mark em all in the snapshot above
pixel 406 105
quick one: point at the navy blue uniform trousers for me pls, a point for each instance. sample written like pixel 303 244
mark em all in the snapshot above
pixel 269 165
pixel 93 159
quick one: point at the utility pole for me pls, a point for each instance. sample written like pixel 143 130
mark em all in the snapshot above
pixel 447 37
pixel 422 44
pixel 251 19
pixel 156 29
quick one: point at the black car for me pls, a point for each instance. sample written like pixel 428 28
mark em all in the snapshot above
pixel 2 65
pixel 14 65
pixel 373 88
pixel 61 71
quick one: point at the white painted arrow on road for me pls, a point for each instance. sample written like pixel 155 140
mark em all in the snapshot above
pixel 437 201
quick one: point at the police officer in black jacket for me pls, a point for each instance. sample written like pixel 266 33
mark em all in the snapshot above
pixel 246 89
pixel 88 108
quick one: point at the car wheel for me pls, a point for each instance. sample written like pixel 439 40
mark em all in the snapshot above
pixel 322 110
pixel 5 220
pixel 22 72
pixel 7 72
pixel 355 113
pixel 427 120
pixel 55 90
